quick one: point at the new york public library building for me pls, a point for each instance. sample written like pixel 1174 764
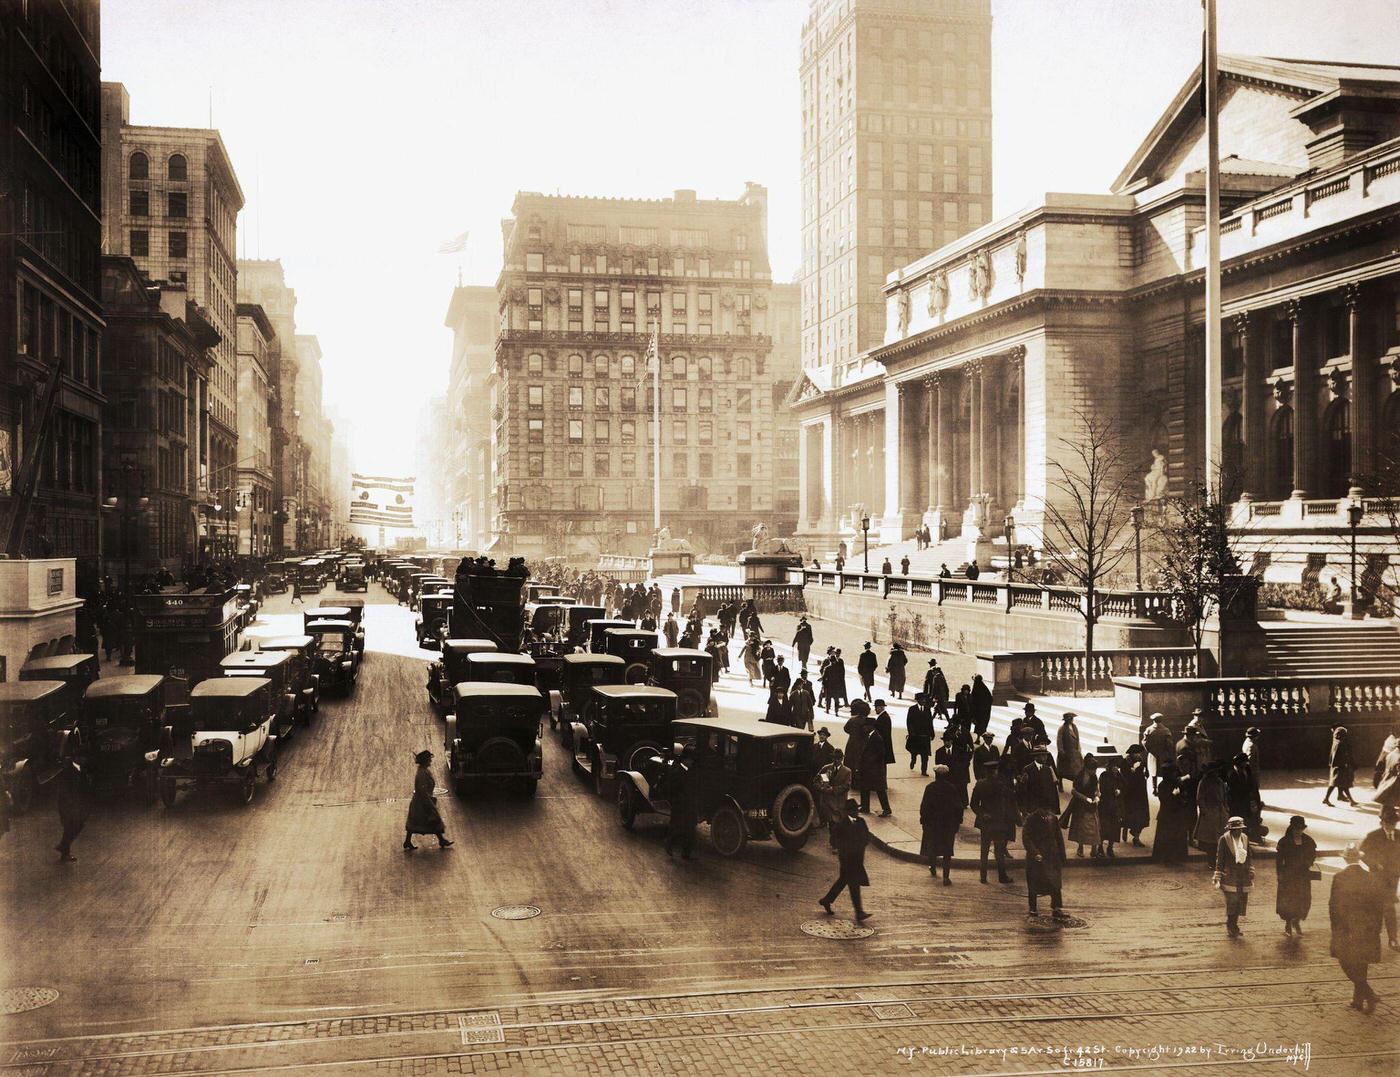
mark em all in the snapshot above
pixel 998 344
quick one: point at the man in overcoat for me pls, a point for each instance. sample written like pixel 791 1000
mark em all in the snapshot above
pixel 802 641
pixel 1039 785
pixel 1357 908
pixel 980 702
pixel 995 815
pixel 866 665
pixel 1045 858
pixel 940 814
pixel 851 836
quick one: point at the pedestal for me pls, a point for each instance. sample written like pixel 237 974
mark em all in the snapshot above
pixel 767 568
pixel 37 605
pixel 671 562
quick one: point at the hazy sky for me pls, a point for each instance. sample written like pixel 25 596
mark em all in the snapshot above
pixel 366 132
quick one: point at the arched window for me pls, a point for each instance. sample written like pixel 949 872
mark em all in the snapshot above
pixel 177 168
pixel 1232 457
pixel 704 366
pixel 629 366
pixel 745 367
pixel 1337 457
pixel 1281 453
pixel 139 167
pixel 678 366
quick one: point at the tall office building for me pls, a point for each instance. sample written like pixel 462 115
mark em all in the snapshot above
pixel 472 318
pixel 896 162
pixel 171 203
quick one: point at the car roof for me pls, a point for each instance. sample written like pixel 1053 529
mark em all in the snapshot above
pixel 256 659
pixel 352 603
pixel 57 661
pixel 747 727
pixel 679 652
pixel 470 646
pixel 593 660
pixel 504 658
pixel 633 691
pixel 329 613
pixel 336 623
pixel 138 684
pixel 612 622
pixel 26 691
pixel 492 690
pixel 449 595
pixel 228 687
pixel 629 632
pixel 284 643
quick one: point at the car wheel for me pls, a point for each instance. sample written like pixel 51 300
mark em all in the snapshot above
pixel 791 815
pixel 636 673
pixel 246 788
pixel 690 704
pixel 22 793
pixel 271 772
pixel 169 790
pixel 626 804
pixel 728 834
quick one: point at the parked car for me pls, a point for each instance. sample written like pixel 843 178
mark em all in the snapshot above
pixel 578 675
pixel 231 739
pixel 304 676
pixel 597 630
pixel 119 733
pixel 37 719
pixel 76 671
pixel 501 667
pixel 452 669
pixel 434 621
pixel 337 660
pixel 350 609
pixel 687 673
pixel 577 619
pixel 352 577
pixel 275 579
pixel 621 724
pixel 633 646
pixel 248 604
pixel 493 736
pixel 750 782
pixel 280 668
pixel 533 590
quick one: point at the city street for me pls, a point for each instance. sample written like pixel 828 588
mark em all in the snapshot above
pixel 295 931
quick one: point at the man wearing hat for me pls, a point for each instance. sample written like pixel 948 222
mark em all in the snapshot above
pixel 423 817
pixel 1234 873
pixel 1044 843
pixel 918 727
pixel 1032 722
pixel 995 816
pixel 985 753
pixel 1382 849
pixel 833 784
pixel 1357 909
pixel 851 836
pixel 802 641
pixel 1194 744
pixel 940 813
pixel 680 788
pixel 1069 759
pixel 936 688
pixel 1038 786
pixel 1161 747
pixel 824 752
pixel 866 665
pixel 1250 750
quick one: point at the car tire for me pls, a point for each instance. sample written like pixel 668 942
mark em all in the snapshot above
pixel 638 753
pixel 636 673
pixel 791 815
pixel 690 703
pixel 499 755
pixel 728 834
pixel 246 789
pixel 626 803
pixel 169 790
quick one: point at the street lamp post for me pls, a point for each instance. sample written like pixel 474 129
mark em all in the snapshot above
pixel 865 540
pixel 1355 511
pixel 1008 526
pixel 1137 546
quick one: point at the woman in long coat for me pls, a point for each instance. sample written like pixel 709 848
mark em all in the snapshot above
pixel 1294 861
pixel 1045 858
pixel 1234 873
pixel 1069 760
pixel 1343 767
pixel 895 667
pixel 1172 842
pixel 751 652
pixel 1110 805
pixel 940 813
pixel 1136 814
pixel 423 817
pixel 1211 814
pixel 1082 815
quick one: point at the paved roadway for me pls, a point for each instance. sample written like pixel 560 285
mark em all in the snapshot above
pixel 295 932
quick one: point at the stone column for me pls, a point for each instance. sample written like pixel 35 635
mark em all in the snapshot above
pixel 974 431
pixel 1016 375
pixel 1363 390
pixel 990 458
pixel 1249 326
pixel 893 458
pixel 931 392
pixel 828 471
pixel 1304 403
pixel 947 418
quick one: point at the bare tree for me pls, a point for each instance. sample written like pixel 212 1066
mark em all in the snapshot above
pixel 1087 514
pixel 1198 561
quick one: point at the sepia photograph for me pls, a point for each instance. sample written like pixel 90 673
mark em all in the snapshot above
pixel 828 537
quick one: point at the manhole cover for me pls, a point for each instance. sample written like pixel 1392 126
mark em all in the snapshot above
pixel 515 912
pixel 896 1011
pixel 19 999
pixel 837 929
pixel 1052 922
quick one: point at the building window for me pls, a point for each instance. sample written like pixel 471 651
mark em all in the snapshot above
pixel 536 463
pixel 705 465
pixel 600 365
pixel 575 464
pixel 177 168
pixel 678 402
pixel 140 203
pixel 534 262
pixel 576 299
pixel 628 431
pixel 627 397
pixel 1337 466
pixel 629 366
pixel 678 367
pixel 743 465
pixel 535 397
pixel 179 244
pixel 602 465
pixel 534 363
pixel 743 268
pixel 629 464
pixel 743 433
pixel 535 431
pixel 177 204
pixel 575 366
pixel 743 400
pixel 1282 445
pixel 575 263
pixel 743 498
pixel 706 399
pixel 600 263
pixel 602 397
pixel 1336 330
pixel 628 300
pixel 139 167
pixel 140 243
pixel 741 241
pixel 680 465
pixel 602 430
pixel 653 304
pixel 575 397
pixel 705 431
pixel 678 432
pixel 576 430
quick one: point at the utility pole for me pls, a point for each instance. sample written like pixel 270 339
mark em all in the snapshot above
pixel 1210 75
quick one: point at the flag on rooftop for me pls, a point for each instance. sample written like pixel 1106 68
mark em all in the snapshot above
pixel 454 245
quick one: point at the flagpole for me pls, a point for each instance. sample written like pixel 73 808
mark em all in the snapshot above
pixel 1209 73
pixel 656 430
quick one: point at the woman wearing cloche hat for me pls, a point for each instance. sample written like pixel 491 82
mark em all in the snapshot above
pixel 1234 873
pixel 423 817
pixel 1296 853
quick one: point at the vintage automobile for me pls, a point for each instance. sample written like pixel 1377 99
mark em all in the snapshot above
pixel 577 619
pixel 413 586
pixel 452 669
pixel 687 673
pixel 183 638
pixel 493 736
pixel 76 671
pixel 620 726
pixel 37 720
pixel 304 676
pixel 280 669
pixel 597 629
pixel 337 658
pixel 434 618
pixel 352 577
pixel 750 782
pixel 311 573
pixel 352 610
pixel 248 604
pixel 275 578
pixel 231 739
pixel 427 585
pixel 119 733
pixel 578 676
pixel 501 667
pixel 545 619
pixel 533 591
pixel 633 646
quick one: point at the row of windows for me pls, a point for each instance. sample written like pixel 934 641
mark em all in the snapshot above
pixel 704 399
pixel 71 244
pixel 678 433
pixel 177 204
pixel 49 332
pixel 627 465
pixel 177 167
pixel 627 366
pixel 680 265
pixel 72 454
pixel 70 152
pixel 177 244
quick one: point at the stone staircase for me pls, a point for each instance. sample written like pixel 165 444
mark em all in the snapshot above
pixel 951 552
pixel 1319 650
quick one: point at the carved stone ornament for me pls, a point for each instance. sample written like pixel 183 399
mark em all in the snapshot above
pixel 726 300
pixel 808 391
pixel 760 301
pixel 938 293
pixel 979 272
pixel 1336 383
pixel 552 295
pixel 902 306
pixel 1021 257
pixel 517 294
pixel 1283 391
pixel 1155 481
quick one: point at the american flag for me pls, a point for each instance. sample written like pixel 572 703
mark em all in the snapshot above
pixel 653 356
pixel 455 245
